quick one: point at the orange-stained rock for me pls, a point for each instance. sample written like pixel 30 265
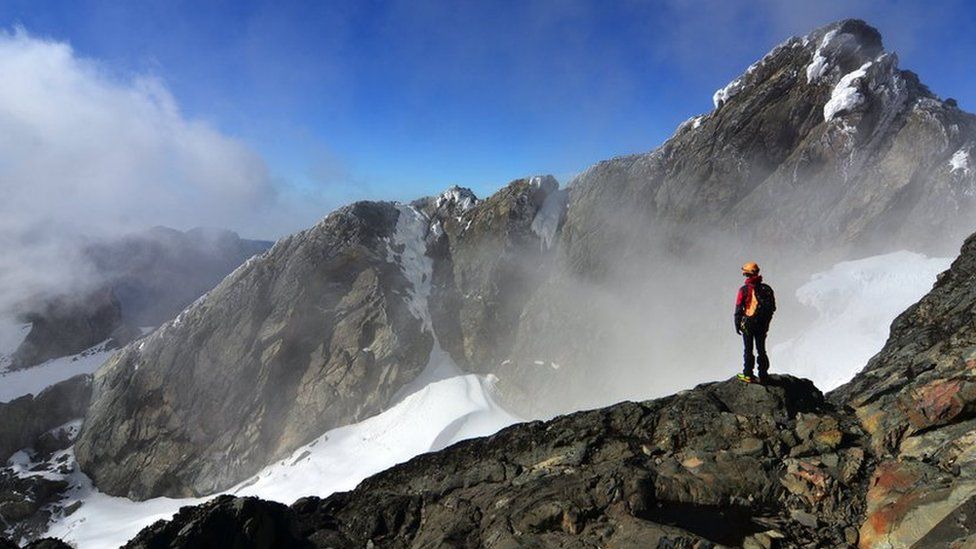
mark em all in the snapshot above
pixel 934 403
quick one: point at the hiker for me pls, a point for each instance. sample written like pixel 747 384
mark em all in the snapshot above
pixel 754 307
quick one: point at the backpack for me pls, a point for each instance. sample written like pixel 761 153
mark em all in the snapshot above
pixel 765 303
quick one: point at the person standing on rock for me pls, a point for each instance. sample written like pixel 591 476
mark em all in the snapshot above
pixel 754 307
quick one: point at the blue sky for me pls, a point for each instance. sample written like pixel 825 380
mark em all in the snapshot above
pixel 373 99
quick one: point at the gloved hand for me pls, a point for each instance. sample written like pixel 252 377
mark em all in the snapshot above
pixel 738 325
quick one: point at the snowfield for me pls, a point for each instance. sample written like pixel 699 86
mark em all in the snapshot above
pixel 434 417
pixel 855 301
pixel 33 380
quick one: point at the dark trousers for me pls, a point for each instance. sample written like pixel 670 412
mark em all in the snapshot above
pixel 758 338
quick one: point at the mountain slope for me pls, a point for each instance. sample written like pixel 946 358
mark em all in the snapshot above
pixel 312 332
pixel 321 331
pixel 917 401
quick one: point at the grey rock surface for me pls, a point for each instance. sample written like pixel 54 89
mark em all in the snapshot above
pixel 488 262
pixel 313 334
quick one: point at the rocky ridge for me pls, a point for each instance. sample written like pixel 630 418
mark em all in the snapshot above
pixel 917 401
pixel 724 463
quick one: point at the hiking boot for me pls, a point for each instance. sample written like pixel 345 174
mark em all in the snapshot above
pixel 744 378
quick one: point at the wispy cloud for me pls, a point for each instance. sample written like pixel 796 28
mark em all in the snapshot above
pixel 86 151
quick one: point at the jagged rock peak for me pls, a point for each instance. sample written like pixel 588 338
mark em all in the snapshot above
pixel 840 55
pixel 461 197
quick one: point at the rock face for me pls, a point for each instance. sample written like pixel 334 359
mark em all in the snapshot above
pixel 67 325
pixel 724 463
pixel 25 419
pixel 313 334
pixel 917 401
pixel 491 258
pixel 319 332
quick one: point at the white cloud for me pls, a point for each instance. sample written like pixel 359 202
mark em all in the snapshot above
pixel 81 148
pixel 85 151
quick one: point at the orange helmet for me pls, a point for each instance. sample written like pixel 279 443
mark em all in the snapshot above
pixel 750 269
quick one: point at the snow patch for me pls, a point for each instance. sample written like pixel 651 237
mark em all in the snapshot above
pixel 546 222
pixel 460 197
pixel 440 414
pixel 694 122
pixel 818 66
pixel 855 302
pixel 33 380
pixel 845 95
pixel 960 162
pixel 409 250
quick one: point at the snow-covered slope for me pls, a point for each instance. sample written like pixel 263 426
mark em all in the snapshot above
pixel 33 380
pixel 855 303
pixel 440 414
pixel 12 334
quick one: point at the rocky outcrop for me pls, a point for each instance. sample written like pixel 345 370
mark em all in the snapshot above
pixel 36 482
pixel 315 333
pixel 724 463
pixel 69 325
pixel 917 401
pixel 25 419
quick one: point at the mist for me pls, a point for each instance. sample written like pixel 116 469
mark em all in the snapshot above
pixel 88 154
